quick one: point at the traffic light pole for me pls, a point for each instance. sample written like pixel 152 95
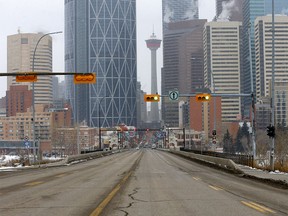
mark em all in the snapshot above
pixel 272 87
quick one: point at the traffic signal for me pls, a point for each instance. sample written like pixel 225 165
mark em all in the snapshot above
pixel 203 97
pixel 85 78
pixel 271 131
pixel 151 97
pixel 29 77
pixel 214 132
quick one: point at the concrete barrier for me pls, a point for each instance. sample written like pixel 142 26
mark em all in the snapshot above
pixel 89 156
pixel 220 162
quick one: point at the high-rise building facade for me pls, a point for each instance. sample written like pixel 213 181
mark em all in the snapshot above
pixel 182 64
pixel 20 49
pixel 206 116
pixel 229 10
pixel 19 99
pixel 263 53
pixel 251 10
pixel 141 107
pixel 100 37
pixel 175 11
pixel 222 68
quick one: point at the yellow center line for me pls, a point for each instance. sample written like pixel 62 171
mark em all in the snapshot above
pixel 110 196
pixel 61 175
pixel 263 207
pixel 215 188
pixel 34 183
pixel 258 207
pixel 196 178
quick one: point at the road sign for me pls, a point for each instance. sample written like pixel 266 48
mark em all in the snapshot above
pixel 27 144
pixel 173 95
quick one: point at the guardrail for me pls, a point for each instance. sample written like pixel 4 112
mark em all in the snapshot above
pixel 224 163
pixel 90 156
pixel 246 160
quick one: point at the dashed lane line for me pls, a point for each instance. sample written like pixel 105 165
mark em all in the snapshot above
pixel 110 196
pixel 215 188
pixel 258 207
pixel 34 183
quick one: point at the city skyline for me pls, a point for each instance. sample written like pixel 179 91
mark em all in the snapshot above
pixel 31 17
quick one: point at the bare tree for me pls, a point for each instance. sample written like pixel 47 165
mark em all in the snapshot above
pixel 281 148
pixel 262 149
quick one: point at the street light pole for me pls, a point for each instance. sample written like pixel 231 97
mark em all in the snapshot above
pixel 33 92
pixel 99 126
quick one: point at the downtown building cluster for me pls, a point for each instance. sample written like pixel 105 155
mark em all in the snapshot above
pixel 229 55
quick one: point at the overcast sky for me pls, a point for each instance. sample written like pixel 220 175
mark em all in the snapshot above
pixel 31 16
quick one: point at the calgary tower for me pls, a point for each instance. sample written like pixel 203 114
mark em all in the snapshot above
pixel 153 44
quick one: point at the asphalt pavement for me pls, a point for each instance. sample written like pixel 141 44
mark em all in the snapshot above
pixel 274 177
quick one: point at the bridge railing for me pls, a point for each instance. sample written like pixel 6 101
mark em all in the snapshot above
pixel 237 158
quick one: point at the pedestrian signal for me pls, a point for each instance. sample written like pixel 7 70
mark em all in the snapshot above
pixel 203 97
pixel 29 77
pixel 151 98
pixel 85 78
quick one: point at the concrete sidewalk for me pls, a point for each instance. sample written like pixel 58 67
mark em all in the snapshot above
pixel 276 176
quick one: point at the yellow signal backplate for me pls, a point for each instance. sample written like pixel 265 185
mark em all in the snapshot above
pixel 151 97
pixel 203 97
pixel 85 78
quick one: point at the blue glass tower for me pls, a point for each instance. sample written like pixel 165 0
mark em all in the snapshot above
pixel 100 37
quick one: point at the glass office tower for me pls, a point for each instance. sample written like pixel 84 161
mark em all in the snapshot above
pixel 251 10
pixel 100 37
pixel 175 11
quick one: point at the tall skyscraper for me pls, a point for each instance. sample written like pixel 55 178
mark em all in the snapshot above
pixel 153 44
pixel 141 107
pixel 175 11
pixel 182 64
pixel 100 37
pixel 251 10
pixel 222 68
pixel 229 10
pixel 263 53
pixel 20 49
